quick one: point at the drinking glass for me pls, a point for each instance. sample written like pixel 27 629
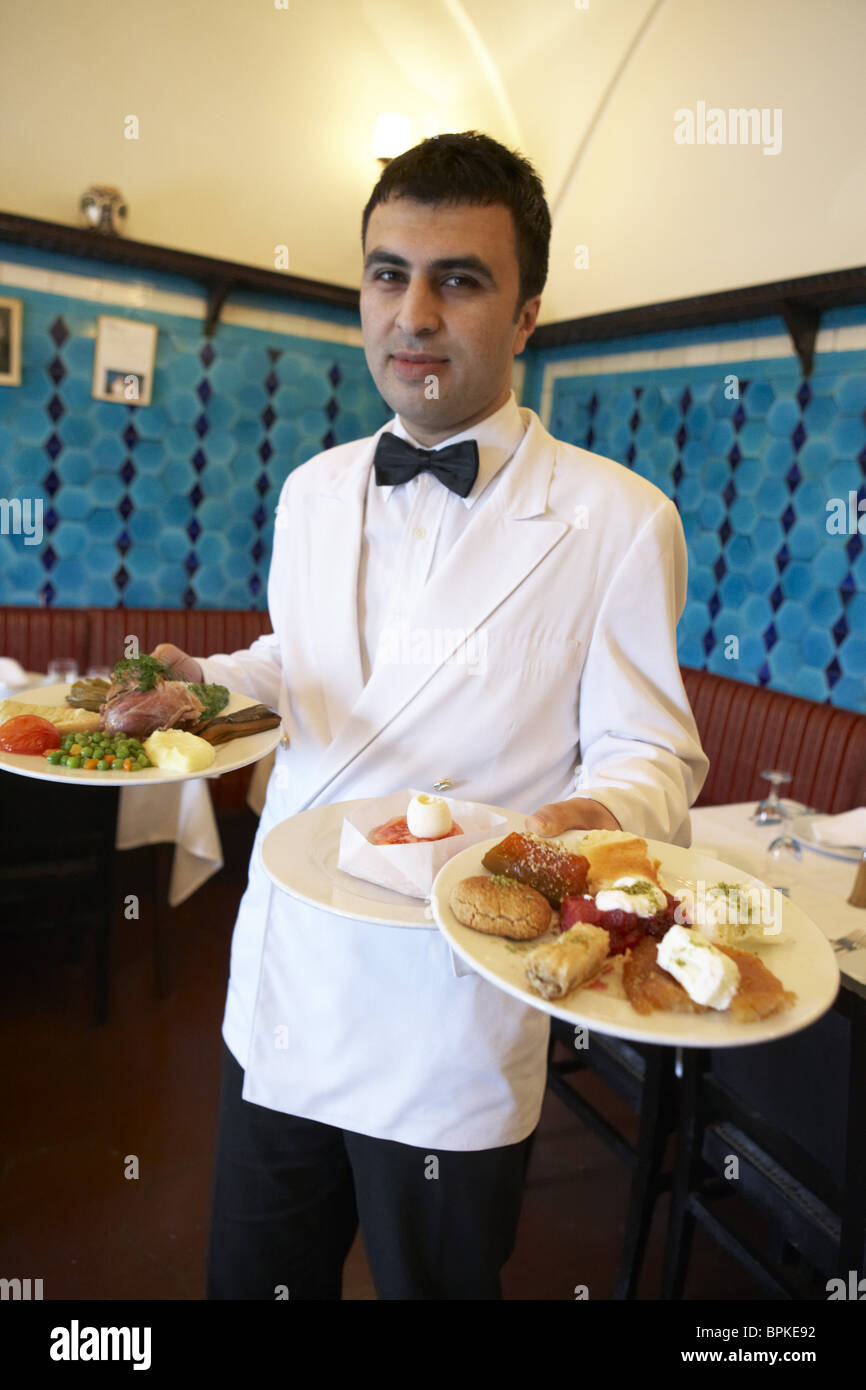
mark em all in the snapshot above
pixel 784 856
pixel 62 670
pixel 770 811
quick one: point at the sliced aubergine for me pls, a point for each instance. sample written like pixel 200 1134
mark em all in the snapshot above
pixel 255 719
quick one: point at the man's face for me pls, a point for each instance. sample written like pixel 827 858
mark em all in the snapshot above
pixel 460 313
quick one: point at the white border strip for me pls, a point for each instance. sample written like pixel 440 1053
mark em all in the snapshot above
pixel 136 295
pixel 845 339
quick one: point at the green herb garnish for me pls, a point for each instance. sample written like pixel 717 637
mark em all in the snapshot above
pixel 213 697
pixel 144 670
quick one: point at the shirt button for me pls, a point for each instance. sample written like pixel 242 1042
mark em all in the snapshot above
pixel 419 533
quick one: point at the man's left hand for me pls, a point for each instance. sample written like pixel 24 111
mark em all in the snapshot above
pixel 579 813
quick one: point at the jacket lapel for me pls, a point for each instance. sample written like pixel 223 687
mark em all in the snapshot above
pixel 505 539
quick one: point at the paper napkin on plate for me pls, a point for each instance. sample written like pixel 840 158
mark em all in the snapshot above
pixel 848 828
pixel 409 869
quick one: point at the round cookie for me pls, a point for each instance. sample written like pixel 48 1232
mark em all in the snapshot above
pixel 501 906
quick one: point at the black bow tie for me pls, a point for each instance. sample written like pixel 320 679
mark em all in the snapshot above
pixel 397 461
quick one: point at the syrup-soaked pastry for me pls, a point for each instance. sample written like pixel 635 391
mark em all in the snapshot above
pixel 543 864
pixel 648 987
pixel 760 993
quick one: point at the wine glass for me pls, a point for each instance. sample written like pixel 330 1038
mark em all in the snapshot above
pixel 770 811
pixel 784 856
pixel 62 670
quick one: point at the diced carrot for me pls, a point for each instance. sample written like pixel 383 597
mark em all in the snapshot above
pixel 91 763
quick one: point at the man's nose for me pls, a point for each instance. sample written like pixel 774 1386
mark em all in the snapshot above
pixel 419 309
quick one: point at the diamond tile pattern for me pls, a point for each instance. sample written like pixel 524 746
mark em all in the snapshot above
pixel 176 499
pixel 230 418
pixel 753 477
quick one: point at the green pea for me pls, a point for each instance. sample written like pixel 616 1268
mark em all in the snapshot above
pixel 55 756
pixel 102 765
pixel 143 760
pixel 73 762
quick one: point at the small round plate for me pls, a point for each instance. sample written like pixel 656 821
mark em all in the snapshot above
pixel 239 752
pixel 801 830
pixel 300 856
pixel 803 961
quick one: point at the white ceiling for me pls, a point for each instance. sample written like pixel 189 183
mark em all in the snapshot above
pixel 255 126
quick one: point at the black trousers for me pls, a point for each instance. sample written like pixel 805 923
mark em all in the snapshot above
pixel 289 1194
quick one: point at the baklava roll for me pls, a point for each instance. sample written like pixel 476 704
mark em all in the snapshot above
pixel 558 967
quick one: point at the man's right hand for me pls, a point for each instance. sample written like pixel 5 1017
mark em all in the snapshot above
pixel 184 667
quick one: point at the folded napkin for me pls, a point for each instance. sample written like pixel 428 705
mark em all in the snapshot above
pixel 12 676
pixel 849 828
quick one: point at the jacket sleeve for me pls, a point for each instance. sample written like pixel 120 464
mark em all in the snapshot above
pixel 640 751
pixel 257 670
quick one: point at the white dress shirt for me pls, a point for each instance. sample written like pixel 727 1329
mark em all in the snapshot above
pixel 409 528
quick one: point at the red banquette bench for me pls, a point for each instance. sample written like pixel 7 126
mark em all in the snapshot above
pixel 744 728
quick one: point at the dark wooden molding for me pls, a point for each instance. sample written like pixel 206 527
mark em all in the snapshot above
pixel 799 302
pixel 219 278
pixel 216 298
pixel 802 322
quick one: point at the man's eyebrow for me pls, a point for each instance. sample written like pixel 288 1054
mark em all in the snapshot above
pixel 468 262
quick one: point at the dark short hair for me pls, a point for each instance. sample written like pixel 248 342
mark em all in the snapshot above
pixel 471 168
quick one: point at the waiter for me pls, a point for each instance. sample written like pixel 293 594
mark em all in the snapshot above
pixel 463 596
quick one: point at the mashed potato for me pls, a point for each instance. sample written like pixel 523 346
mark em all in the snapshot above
pixel 175 750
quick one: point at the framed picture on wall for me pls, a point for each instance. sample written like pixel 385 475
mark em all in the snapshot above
pixel 10 342
pixel 123 360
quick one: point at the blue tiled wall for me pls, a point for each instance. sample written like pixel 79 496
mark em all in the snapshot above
pixel 172 504
pixel 751 478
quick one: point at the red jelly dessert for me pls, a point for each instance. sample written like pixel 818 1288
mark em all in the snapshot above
pixel 625 928
pixel 396 832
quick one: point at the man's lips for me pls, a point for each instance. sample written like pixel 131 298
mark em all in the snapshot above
pixel 415 368
pixel 413 357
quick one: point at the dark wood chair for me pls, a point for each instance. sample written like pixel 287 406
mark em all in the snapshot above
pixel 644 1077
pixel 782 1128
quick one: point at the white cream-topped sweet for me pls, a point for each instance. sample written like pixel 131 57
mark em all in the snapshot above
pixel 645 902
pixel 428 817
pixel 706 974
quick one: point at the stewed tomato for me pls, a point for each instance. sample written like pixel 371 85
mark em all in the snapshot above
pixel 27 733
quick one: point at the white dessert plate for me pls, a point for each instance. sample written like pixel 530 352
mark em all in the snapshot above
pixel 239 752
pixel 300 856
pixel 802 831
pixel 802 959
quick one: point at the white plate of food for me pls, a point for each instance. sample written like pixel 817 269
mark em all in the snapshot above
pixel 799 956
pixel 300 858
pixel 250 737
pixel 802 830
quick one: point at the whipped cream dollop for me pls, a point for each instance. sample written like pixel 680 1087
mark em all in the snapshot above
pixel 706 974
pixel 428 817
pixel 632 894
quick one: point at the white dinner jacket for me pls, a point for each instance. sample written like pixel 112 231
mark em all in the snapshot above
pixel 538 662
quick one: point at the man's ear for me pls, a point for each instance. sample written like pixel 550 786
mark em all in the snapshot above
pixel 526 323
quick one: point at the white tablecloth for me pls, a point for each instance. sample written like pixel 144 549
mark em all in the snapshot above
pixel 178 811
pixel 819 884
